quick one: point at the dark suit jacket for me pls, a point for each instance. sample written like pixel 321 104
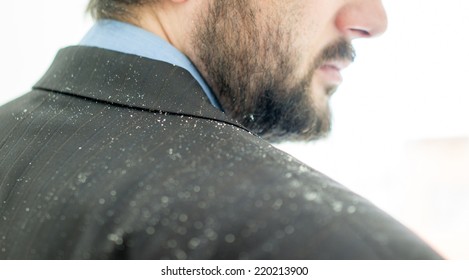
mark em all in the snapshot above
pixel 117 156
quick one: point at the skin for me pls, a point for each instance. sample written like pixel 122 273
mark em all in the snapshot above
pixel 273 64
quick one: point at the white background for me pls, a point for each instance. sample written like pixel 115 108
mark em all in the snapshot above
pixel 331 270
pixel 400 135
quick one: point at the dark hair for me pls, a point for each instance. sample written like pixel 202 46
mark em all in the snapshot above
pixel 113 9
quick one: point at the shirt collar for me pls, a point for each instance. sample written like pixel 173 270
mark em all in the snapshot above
pixel 127 38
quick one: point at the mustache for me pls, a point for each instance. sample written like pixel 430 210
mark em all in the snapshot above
pixel 338 50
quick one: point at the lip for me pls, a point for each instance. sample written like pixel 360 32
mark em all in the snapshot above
pixel 330 71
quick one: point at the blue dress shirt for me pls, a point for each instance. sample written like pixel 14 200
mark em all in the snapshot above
pixel 127 38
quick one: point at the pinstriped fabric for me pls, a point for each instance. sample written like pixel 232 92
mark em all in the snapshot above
pixel 127 159
pixel 110 77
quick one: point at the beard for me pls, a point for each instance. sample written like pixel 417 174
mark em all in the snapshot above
pixel 251 67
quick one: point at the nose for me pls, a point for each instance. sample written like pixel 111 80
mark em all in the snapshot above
pixel 362 19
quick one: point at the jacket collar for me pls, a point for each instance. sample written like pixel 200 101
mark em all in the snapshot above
pixel 130 81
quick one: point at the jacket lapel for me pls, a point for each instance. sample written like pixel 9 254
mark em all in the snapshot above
pixel 130 81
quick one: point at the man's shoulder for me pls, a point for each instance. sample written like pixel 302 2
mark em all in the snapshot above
pixel 144 173
pixel 243 198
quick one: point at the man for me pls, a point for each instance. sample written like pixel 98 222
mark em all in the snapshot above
pixel 143 141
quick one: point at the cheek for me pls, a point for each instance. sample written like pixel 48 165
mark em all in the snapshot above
pixel 304 47
pixel 314 28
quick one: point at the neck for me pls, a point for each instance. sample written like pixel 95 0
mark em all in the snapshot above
pixel 166 19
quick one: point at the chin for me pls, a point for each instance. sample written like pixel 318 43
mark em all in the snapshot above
pixel 330 90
